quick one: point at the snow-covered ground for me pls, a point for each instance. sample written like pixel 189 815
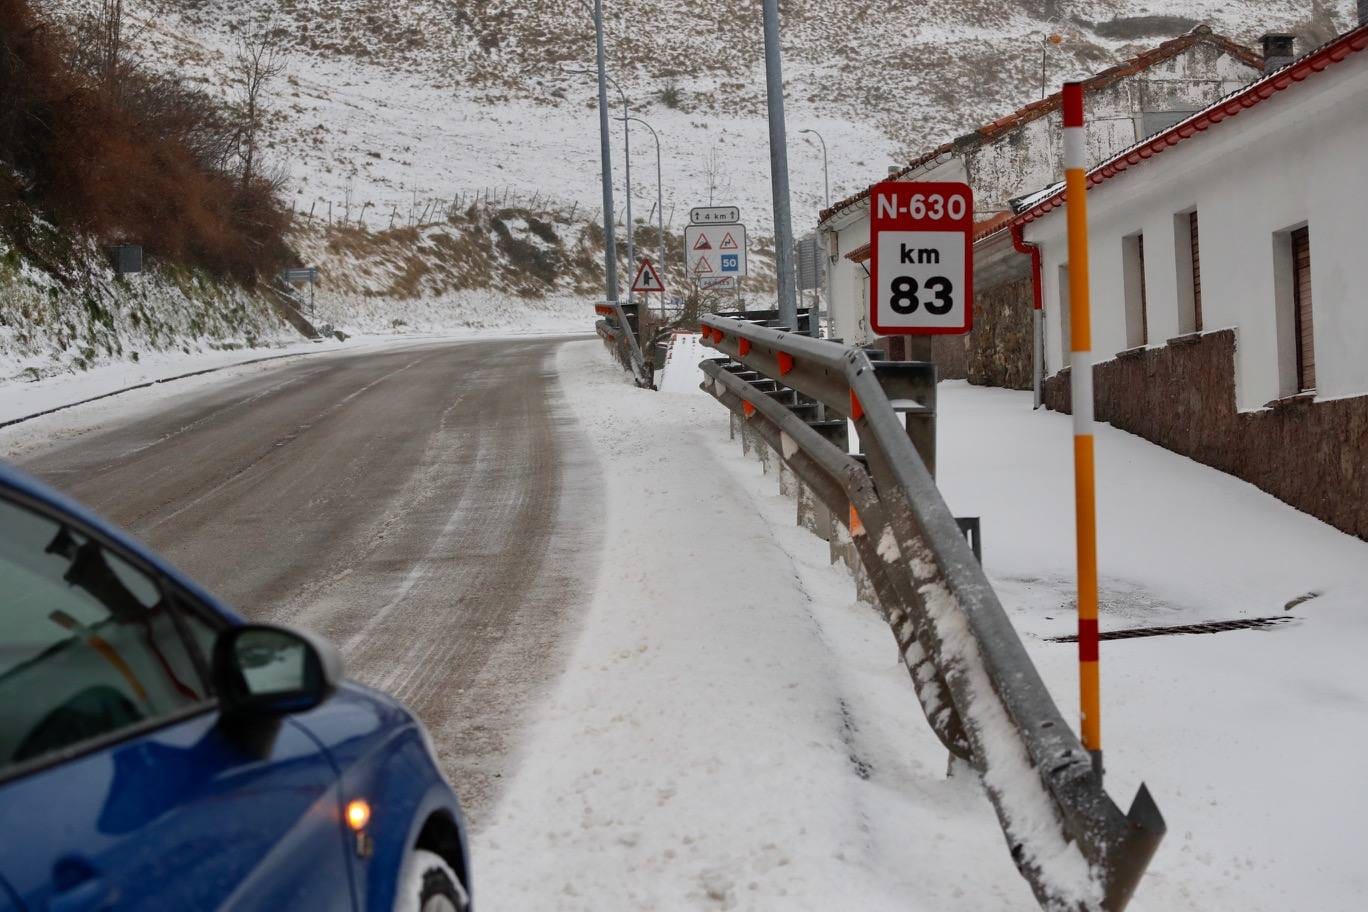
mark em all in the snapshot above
pixel 734 730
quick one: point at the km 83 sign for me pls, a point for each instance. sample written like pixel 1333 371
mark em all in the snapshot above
pixel 922 278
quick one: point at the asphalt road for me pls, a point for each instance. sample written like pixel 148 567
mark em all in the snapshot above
pixel 430 509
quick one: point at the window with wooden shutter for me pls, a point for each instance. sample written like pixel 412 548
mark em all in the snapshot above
pixel 1144 305
pixel 1301 309
pixel 1196 273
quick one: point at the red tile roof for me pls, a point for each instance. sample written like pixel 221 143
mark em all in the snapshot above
pixel 1202 34
pixel 1295 72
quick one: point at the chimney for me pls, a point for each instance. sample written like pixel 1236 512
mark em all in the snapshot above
pixel 1278 48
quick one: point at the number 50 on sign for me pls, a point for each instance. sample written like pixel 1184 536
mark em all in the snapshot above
pixel 922 278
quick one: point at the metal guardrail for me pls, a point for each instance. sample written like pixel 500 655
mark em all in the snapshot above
pixel 616 330
pixel 977 685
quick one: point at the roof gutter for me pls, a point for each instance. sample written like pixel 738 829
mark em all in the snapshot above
pixel 1037 309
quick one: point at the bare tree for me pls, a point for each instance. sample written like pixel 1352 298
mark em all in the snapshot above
pixel 101 46
pixel 712 167
pixel 259 62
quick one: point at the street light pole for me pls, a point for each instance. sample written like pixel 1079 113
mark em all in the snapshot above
pixel 826 175
pixel 660 208
pixel 609 241
pixel 783 222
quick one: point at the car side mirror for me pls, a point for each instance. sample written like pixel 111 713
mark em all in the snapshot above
pixel 264 671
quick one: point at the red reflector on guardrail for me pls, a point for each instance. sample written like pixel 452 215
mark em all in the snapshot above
pixel 856 410
pixel 785 363
pixel 748 408
pixel 744 345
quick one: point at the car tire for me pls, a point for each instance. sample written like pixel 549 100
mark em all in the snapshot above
pixel 428 884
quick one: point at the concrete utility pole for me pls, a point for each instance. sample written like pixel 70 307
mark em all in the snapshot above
pixel 660 207
pixel 783 222
pixel 609 240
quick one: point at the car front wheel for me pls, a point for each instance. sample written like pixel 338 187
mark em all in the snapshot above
pixel 429 884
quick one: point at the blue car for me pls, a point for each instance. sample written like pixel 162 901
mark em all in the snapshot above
pixel 158 752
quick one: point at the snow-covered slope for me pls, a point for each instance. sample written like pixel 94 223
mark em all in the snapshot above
pixel 391 101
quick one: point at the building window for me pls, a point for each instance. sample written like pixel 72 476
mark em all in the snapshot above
pixel 1292 285
pixel 1189 268
pixel 1065 318
pixel 1301 309
pixel 1133 275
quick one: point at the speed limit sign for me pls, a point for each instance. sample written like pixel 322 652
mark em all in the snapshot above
pixel 922 236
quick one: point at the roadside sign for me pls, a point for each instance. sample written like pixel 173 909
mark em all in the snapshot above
pixel 307 275
pixel 715 250
pixel 922 275
pixel 714 215
pixel 647 279
pixel 710 282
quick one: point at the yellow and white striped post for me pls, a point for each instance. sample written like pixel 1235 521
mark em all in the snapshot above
pixel 1085 499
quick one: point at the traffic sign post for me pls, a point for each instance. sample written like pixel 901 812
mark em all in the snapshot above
pixel 715 250
pixel 647 278
pixel 714 215
pixel 922 275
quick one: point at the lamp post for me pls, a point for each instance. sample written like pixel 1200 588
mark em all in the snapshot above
pixel 627 172
pixel 826 175
pixel 660 207
pixel 604 80
pixel 605 153
pixel 778 139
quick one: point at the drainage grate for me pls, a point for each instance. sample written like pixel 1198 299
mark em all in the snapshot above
pixel 1210 627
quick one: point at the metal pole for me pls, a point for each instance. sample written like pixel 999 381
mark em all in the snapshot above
pixel 627 155
pixel 1085 494
pixel 826 175
pixel 660 210
pixel 609 241
pixel 783 223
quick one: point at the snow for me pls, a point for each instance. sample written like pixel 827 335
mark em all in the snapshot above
pixel 681 373
pixel 1243 737
pixel 734 729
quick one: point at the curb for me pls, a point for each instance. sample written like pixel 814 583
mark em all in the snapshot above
pixel 137 386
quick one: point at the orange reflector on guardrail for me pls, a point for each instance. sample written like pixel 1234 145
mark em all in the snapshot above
pixel 748 408
pixel 785 363
pixel 856 524
pixel 856 410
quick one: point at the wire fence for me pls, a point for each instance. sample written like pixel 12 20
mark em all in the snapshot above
pixel 419 210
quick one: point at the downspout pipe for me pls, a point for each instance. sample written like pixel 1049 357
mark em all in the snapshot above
pixel 1037 309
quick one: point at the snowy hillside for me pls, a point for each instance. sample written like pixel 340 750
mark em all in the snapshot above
pixel 395 103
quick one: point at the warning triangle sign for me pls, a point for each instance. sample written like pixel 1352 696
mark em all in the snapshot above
pixel 728 242
pixel 647 279
pixel 702 243
pixel 703 265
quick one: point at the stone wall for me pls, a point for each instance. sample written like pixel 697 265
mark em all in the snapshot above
pixel 1312 455
pixel 998 351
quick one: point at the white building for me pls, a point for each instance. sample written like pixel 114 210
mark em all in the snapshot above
pixel 1256 222
pixel 1020 153
pixel 1228 258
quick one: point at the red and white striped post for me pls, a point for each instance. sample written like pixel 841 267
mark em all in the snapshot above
pixel 1085 497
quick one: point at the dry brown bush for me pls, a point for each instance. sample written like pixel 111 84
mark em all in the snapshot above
pixel 135 158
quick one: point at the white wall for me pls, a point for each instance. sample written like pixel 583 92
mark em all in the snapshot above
pixel 1301 157
pixel 1029 158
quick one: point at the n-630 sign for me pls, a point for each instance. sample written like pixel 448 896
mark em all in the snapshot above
pixel 922 273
